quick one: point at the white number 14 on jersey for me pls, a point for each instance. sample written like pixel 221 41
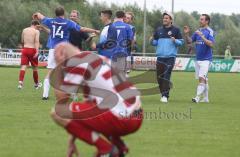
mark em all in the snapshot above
pixel 57 32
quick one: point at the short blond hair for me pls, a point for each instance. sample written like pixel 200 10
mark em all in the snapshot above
pixel 75 11
pixel 130 13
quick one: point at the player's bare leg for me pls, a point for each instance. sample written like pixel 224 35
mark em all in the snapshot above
pixel 21 76
pixel 30 44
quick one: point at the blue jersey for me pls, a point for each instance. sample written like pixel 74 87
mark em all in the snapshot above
pixel 165 47
pixel 122 34
pixel 115 40
pixel 203 51
pixel 102 50
pixel 133 30
pixel 60 29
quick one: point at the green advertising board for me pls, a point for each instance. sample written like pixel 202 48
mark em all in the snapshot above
pixel 217 65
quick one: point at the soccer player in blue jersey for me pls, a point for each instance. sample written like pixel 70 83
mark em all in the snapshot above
pixel 60 31
pixel 118 41
pixel 204 42
pixel 105 17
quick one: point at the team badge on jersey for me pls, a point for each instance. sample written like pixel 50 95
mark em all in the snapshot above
pixel 170 33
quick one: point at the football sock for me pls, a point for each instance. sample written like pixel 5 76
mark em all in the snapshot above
pixel 21 75
pixel 46 87
pixel 117 141
pixel 35 76
pixel 200 89
pixel 89 136
pixel 205 93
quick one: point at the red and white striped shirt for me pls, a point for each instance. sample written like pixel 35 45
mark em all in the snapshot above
pixel 109 89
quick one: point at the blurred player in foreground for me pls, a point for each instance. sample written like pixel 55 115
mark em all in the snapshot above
pixel 30 42
pixel 114 109
pixel 204 42
pixel 60 31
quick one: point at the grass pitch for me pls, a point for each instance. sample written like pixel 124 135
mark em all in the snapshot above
pixel 178 129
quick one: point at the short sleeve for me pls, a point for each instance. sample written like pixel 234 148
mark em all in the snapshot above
pixel 46 21
pixel 194 37
pixel 211 36
pixel 74 26
pixel 130 34
pixel 134 30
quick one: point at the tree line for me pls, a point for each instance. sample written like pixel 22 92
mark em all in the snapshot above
pixel 16 15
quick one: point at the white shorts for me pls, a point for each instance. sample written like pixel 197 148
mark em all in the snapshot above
pixel 51 63
pixel 201 69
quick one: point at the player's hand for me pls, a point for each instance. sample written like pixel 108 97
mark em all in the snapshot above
pixel 72 148
pixel 92 35
pixel 35 16
pixel 97 32
pixel 199 33
pixel 186 29
pixel 151 38
pixel 173 39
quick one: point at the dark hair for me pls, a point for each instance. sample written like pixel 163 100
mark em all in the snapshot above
pixel 59 11
pixel 207 17
pixel 107 12
pixel 35 22
pixel 120 14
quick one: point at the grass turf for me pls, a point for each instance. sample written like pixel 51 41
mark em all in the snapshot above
pixel 178 129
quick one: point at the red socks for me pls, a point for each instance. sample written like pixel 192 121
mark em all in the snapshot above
pixel 21 75
pixel 35 76
pixel 103 146
pixel 80 131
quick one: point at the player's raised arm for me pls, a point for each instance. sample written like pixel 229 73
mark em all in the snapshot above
pixel 43 28
pixel 187 37
pixel 89 30
pixel 208 42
